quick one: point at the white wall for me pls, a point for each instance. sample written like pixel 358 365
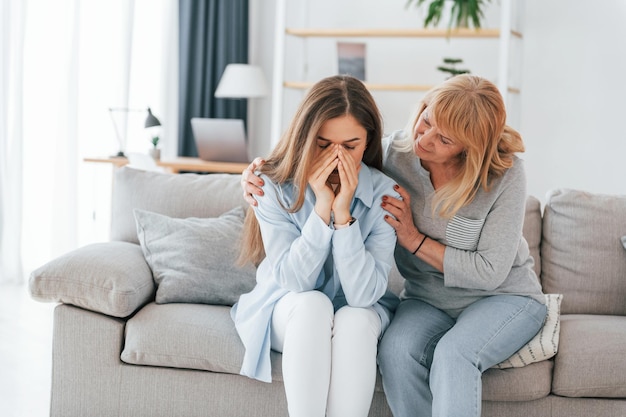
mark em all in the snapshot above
pixel 574 96
pixel 572 89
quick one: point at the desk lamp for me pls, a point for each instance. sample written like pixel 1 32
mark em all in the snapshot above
pixel 151 121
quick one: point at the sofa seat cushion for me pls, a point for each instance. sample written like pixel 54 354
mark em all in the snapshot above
pixel 190 336
pixel 591 361
pixel 203 337
pixel 527 383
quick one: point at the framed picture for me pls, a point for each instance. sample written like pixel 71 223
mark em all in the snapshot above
pixel 351 59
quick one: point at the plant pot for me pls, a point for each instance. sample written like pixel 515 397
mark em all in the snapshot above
pixel 155 154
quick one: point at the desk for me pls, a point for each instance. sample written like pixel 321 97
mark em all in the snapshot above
pixel 182 163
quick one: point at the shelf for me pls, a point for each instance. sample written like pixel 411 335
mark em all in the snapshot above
pixel 407 33
pixel 504 34
pixel 304 85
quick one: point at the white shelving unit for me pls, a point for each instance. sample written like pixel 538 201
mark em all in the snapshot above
pixel 506 35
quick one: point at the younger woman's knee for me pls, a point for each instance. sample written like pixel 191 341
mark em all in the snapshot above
pixel 356 320
pixel 312 304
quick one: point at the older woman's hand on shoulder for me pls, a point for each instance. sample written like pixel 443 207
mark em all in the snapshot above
pixel 252 183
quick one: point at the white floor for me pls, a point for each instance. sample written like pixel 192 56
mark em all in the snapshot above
pixel 25 353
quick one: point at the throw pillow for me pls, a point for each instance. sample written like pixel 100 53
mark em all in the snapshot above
pixel 624 241
pixel 87 277
pixel 193 259
pixel 545 343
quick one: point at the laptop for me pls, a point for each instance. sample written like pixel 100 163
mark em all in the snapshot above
pixel 220 140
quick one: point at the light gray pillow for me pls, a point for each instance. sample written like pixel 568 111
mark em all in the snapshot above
pixel 193 259
pixel 582 256
pixel 109 277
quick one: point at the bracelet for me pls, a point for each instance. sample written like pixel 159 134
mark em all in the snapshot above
pixel 420 245
pixel 341 226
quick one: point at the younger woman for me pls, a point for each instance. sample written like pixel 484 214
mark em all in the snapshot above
pixel 325 253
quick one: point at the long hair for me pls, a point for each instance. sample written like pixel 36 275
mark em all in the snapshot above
pixel 470 109
pixel 293 156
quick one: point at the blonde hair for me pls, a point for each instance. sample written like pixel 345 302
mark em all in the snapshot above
pixel 470 109
pixel 293 156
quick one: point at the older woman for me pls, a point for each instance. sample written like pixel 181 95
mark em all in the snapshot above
pixel 471 297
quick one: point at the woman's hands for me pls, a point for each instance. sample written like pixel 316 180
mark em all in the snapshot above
pixel 409 237
pixel 328 199
pixel 251 183
pixel 349 179
pixel 337 201
pixel 402 221
pixel 324 165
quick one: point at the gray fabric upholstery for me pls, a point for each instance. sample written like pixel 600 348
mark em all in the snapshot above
pixel 591 360
pixel 111 278
pixel 90 380
pixel 180 196
pixel 203 337
pixel 86 374
pixel 532 230
pixel 581 253
pixel 576 247
pixel 194 260
pixel 199 337
pixel 529 383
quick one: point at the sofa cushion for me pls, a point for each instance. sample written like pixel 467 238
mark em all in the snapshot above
pixel 195 336
pixel 581 252
pixel 192 336
pixel 193 260
pixel 111 278
pixel 532 230
pixel 591 361
pixel 174 195
pixel 528 383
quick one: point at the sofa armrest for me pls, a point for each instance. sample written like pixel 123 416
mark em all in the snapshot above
pixel 112 278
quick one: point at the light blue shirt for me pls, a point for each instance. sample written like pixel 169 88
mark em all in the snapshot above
pixel 350 265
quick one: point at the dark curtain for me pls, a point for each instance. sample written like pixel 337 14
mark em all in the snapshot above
pixel 213 34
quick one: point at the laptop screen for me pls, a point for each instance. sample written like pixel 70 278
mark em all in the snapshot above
pixel 220 140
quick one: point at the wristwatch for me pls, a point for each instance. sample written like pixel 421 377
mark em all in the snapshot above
pixel 341 226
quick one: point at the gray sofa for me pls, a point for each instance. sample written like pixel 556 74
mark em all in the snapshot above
pixel 116 352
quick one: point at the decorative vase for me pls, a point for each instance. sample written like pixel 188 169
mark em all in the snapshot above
pixel 155 153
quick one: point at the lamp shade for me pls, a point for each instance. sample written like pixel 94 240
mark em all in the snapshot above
pixel 242 81
pixel 151 120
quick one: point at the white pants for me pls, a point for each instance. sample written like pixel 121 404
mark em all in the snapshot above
pixel 329 360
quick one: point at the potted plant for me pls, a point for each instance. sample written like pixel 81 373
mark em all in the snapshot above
pixel 450 67
pixel 463 12
pixel 155 152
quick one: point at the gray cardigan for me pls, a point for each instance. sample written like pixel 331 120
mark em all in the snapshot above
pixel 486 253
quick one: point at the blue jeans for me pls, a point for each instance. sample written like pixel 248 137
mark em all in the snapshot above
pixel 432 364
